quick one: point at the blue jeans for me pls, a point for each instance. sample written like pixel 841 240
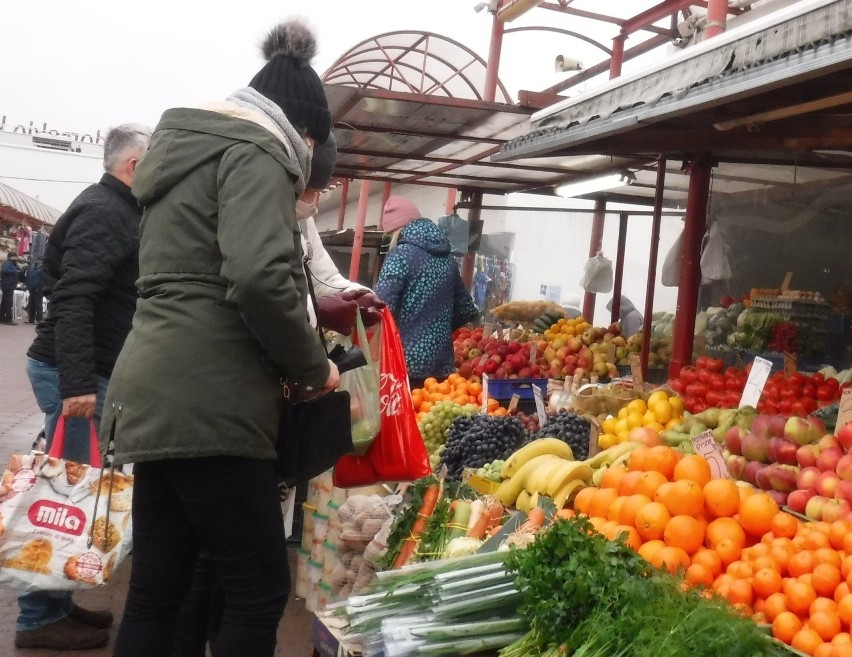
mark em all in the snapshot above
pixel 40 608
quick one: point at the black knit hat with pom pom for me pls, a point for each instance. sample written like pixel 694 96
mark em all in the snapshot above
pixel 288 80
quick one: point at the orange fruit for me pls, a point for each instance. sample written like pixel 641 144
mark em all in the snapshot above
pixel 825 624
pixel 709 559
pixel 670 558
pixel 825 579
pixel 663 492
pixel 825 650
pixel 722 528
pixel 757 512
pixel 766 582
pixel 841 592
pixel 648 549
pixel 806 640
pixel 774 605
pixel 636 462
pixel 721 498
pixel 765 562
pixel 844 610
pixel 627 485
pixel 651 521
pixel 785 625
pixel 740 592
pixel 837 532
pixel 828 555
pixel 662 459
pixel 728 550
pixel 739 570
pixel 583 499
pixel 847 543
pixel 607 529
pixel 693 467
pixel 684 532
pixel 842 648
pixel 631 536
pixel 745 491
pixel 722 581
pixel 612 513
pixel 846 566
pixel 784 525
pixel 698 575
pixel 842 637
pixel 799 597
pixel 601 499
pixel 816 540
pixel 781 555
pixel 649 482
pixel 631 506
pixel 612 476
pixel 686 498
pixel 822 604
pixel 800 563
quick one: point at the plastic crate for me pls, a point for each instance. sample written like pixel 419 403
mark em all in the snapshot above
pixel 503 389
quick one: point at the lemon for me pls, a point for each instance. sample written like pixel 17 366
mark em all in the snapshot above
pixel 637 406
pixel 634 420
pixel 622 414
pixel 607 440
pixel 677 405
pixel 622 436
pixel 621 425
pixel 656 396
pixel 656 426
pixel 662 410
pixel 608 425
pixel 648 418
pixel 671 424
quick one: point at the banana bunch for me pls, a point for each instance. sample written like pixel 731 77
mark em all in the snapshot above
pixel 614 457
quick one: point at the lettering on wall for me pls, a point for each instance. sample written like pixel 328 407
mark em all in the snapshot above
pixel 32 129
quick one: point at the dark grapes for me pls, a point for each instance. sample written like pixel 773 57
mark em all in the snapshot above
pixel 474 440
pixel 569 427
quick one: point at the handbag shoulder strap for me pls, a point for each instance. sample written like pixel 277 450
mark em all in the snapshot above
pixel 309 276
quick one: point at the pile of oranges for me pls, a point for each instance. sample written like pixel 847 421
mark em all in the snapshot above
pixel 454 388
pixel 734 541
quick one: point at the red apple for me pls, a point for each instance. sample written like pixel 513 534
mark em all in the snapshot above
pixel 806 455
pixel 807 477
pixel 760 426
pixel 776 425
pixel 798 499
pixel 844 490
pixel 829 458
pixel 827 483
pixel 817 425
pixel 800 431
pixel 835 510
pixel 751 470
pixel 785 452
pixel 844 467
pixel 763 478
pixel 733 439
pixel 782 478
pixel 754 447
pixel 844 436
pixel 736 465
pixel 779 497
pixel 827 441
pixel 525 373
pixel 814 507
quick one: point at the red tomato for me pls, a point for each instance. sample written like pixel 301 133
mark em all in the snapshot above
pixel 798 408
pixel 688 375
pixel 824 393
pixel 704 376
pixel 677 385
pixel 834 383
pixel 715 398
pixel 817 378
pixel 785 406
pixel 717 382
pixel 810 405
pixel 732 399
pixel 697 390
pixel 715 365
pixel 732 383
pixel 809 390
pixel 701 362
pixel 771 408
pixel 700 406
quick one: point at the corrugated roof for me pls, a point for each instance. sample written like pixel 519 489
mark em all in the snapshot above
pixel 18 206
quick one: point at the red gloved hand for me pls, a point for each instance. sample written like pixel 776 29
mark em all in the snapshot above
pixel 369 303
pixel 336 313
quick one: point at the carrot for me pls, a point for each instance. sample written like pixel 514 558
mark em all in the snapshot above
pixel 481 526
pixel 495 513
pixel 534 521
pixel 430 499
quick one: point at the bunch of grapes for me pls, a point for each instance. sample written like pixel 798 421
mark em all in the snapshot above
pixel 434 425
pixel 570 428
pixel 530 421
pixel 475 440
pixel 491 471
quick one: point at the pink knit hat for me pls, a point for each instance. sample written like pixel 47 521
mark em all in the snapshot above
pixel 398 213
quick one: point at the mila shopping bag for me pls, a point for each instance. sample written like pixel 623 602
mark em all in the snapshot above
pixel 398 452
pixel 63 525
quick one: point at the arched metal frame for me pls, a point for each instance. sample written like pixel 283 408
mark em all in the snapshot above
pixel 379 59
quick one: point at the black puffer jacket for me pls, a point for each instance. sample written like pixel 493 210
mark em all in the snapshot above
pixel 91 264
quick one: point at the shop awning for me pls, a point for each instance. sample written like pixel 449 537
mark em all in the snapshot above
pixel 776 90
pixel 17 206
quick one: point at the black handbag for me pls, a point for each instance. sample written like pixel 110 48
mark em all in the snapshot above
pixel 313 433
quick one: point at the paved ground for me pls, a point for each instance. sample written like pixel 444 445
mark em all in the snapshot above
pixel 20 421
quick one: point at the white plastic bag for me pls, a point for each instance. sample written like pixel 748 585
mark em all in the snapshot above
pixel 714 261
pixel 597 274
pixel 670 276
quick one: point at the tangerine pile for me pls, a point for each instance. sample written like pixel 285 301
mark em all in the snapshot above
pixel 454 388
pixel 733 540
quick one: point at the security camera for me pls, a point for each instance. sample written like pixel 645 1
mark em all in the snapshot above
pixel 564 64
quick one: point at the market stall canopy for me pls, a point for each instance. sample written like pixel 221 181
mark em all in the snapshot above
pixel 773 91
pixel 408 107
pixel 18 207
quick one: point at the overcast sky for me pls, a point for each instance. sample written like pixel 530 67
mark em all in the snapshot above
pixel 85 66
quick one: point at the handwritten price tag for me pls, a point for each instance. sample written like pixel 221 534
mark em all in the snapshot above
pixel 705 445
pixel 844 412
pixel 760 370
pixel 539 405
pixel 484 393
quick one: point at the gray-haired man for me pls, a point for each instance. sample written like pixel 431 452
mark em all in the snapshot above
pixel 90 271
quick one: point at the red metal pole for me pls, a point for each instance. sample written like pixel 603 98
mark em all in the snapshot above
pixel 690 262
pixel 473 217
pixel 492 67
pixel 617 58
pixel 595 243
pixel 619 268
pixel 344 195
pixel 652 263
pixel 386 190
pixel 717 17
pixel 358 240
pixel 451 201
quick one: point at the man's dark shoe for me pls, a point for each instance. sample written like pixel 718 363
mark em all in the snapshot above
pixel 65 634
pixel 101 619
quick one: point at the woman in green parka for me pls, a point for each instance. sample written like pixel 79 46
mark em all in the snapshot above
pixel 195 398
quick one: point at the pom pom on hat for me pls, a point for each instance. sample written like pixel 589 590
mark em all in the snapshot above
pixel 398 213
pixel 288 80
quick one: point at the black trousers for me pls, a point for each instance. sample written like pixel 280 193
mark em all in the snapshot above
pixel 228 506
pixel 8 295
pixel 35 306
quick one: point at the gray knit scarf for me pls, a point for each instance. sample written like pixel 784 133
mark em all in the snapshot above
pixel 250 98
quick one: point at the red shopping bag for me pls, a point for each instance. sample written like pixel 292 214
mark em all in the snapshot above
pixel 398 452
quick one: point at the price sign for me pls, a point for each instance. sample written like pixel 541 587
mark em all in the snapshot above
pixel 844 411
pixel 540 408
pixel 705 445
pixel 760 370
pixel 289 508
pixel 484 393
pixel 635 361
pixel 534 352
pixel 513 404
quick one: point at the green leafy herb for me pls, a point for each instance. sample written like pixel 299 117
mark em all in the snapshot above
pixel 405 521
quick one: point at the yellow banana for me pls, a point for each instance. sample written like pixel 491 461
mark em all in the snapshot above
pixel 609 455
pixel 511 488
pixel 557 476
pixel 523 502
pixel 598 475
pixel 567 493
pixel 579 471
pixel 536 448
pixel 537 481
